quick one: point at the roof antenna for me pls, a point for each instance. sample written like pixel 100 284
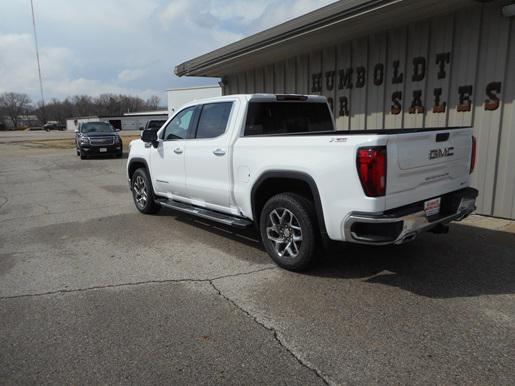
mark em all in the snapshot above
pixel 37 58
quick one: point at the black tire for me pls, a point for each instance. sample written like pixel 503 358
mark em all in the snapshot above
pixel 277 223
pixel 140 184
pixel 77 150
pixel 82 155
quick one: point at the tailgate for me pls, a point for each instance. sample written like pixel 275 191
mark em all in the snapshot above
pixel 427 164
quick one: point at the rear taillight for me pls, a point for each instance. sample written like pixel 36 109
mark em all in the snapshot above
pixel 473 155
pixel 371 162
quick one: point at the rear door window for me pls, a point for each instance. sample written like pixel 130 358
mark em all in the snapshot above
pixel 213 119
pixel 267 118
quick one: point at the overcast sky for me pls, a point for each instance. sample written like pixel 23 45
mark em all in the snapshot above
pixel 124 46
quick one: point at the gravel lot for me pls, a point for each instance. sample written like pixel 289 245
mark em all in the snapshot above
pixel 92 292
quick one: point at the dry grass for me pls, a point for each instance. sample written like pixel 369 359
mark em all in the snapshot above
pixel 68 143
pixel 51 143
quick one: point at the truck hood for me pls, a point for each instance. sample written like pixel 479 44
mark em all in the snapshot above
pixel 100 134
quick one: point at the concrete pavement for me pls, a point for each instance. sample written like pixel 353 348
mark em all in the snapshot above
pixel 93 292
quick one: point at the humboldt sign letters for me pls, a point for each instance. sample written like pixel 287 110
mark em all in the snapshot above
pixel 358 77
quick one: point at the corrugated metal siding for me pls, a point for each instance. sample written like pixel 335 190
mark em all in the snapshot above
pixel 434 73
pixel 291 75
pixel 504 202
pixel 279 80
pixel 342 108
pixel 259 74
pixel 250 82
pixel 377 58
pixel 493 50
pixel 397 51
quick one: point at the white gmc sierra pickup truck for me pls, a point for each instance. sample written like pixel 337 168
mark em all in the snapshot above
pixel 276 161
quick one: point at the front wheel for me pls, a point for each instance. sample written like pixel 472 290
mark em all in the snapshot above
pixel 288 231
pixel 142 192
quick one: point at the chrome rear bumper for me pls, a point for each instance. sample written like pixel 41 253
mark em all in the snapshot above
pixel 387 229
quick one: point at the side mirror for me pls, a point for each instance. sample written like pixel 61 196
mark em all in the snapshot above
pixel 141 128
pixel 149 136
pixel 76 130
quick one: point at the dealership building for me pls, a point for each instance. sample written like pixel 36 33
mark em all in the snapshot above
pixel 394 64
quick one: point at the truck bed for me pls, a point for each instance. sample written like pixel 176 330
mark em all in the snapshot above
pixel 361 132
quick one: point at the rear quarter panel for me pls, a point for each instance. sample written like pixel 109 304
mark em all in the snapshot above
pixel 329 160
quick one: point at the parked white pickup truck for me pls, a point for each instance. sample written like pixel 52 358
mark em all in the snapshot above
pixel 277 162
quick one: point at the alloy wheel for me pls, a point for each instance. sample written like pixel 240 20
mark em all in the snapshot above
pixel 140 192
pixel 284 231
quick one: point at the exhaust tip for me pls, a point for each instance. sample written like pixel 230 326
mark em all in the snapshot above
pixel 409 237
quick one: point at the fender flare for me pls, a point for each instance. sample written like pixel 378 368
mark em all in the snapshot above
pixel 137 160
pixel 143 161
pixel 301 176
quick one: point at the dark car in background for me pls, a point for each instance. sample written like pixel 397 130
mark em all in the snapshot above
pixel 97 138
pixel 154 124
pixel 54 126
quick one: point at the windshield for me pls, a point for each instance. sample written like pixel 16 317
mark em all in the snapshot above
pixel 97 127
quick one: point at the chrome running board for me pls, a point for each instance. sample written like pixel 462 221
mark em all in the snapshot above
pixel 205 213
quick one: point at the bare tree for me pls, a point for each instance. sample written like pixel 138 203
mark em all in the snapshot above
pixel 103 105
pixel 14 105
pixel 153 102
pixel 84 105
pixel 54 110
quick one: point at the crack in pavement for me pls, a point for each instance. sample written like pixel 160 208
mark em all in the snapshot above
pixel 277 336
pixel 45 208
pixel 6 200
pixel 132 284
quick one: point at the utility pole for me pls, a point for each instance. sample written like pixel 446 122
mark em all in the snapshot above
pixel 39 64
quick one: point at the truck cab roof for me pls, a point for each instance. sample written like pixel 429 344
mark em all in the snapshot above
pixel 260 97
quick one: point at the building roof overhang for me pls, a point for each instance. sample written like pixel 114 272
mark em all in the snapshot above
pixel 345 19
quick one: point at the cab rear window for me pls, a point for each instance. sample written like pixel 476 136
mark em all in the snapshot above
pixel 269 118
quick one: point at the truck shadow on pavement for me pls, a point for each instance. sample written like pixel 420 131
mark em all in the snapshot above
pixel 469 261
pixel 248 237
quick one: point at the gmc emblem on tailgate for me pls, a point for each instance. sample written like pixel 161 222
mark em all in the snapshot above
pixel 441 153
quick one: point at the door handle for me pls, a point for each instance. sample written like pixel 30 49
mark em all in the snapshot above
pixel 177 150
pixel 219 152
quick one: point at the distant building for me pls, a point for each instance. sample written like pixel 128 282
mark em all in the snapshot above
pixel 180 96
pixel 127 121
pixel 28 121
pixel 6 123
pixel 73 123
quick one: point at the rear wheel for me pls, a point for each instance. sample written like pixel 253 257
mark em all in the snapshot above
pixel 288 231
pixel 143 193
